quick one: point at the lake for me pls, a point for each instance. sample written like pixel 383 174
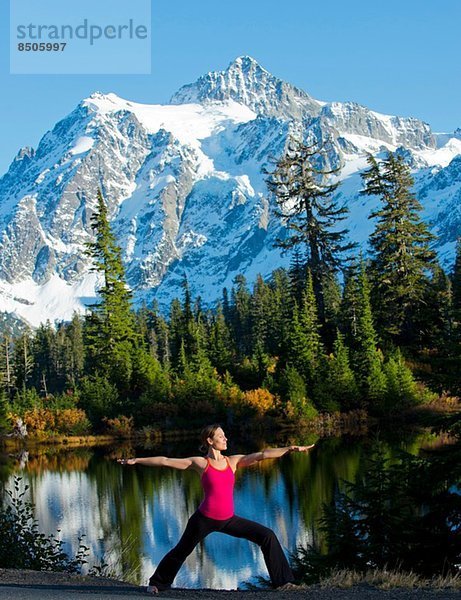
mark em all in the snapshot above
pixel 131 516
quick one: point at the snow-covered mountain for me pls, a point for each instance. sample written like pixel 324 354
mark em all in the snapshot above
pixel 185 187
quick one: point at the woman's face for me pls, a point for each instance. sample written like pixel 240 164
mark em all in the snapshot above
pixel 219 440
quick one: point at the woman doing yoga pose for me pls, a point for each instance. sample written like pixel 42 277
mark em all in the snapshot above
pixel 216 512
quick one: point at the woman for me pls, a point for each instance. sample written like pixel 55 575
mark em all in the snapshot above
pixel 216 512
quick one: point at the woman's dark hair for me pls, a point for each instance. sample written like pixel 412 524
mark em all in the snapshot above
pixel 207 432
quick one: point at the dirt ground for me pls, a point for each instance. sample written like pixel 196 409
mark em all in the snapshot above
pixel 365 592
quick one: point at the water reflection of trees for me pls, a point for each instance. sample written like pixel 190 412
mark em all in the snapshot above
pixel 125 504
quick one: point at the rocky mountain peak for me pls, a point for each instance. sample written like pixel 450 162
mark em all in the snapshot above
pixel 102 103
pixel 186 188
pixel 25 152
pixel 245 81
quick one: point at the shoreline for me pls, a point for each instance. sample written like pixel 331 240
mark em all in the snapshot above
pixel 357 422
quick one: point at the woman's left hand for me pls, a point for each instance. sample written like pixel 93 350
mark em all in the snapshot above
pixel 301 448
pixel 126 461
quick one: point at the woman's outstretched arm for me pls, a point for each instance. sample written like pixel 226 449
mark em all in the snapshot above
pixel 194 462
pixel 245 460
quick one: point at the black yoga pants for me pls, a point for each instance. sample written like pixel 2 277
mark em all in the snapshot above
pixel 199 526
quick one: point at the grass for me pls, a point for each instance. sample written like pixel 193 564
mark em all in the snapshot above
pixel 385 579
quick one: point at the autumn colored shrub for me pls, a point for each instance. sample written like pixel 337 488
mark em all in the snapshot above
pixel 72 421
pixel 260 400
pixel 39 420
pixel 120 426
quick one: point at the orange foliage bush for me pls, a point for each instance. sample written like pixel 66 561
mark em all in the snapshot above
pixel 120 426
pixel 71 421
pixel 261 400
pixel 39 420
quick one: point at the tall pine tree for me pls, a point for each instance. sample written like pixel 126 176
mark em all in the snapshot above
pixel 304 193
pixel 110 333
pixel 456 290
pixel 305 344
pixel 400 244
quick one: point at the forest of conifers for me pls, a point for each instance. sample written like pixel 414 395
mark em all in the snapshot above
pixel 333 332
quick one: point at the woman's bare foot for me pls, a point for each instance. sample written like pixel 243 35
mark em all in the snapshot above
pixel 152 589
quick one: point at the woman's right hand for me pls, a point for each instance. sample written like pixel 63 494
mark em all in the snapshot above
pixel 126 461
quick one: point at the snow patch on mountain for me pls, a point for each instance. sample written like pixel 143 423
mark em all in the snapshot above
pixel 82 145
pixel 56 299
pixel 443 155
pixel 188 123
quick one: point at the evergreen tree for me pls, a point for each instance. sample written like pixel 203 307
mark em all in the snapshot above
pixel 261 363
pixel 402 390
pixel 297 355
pixel 365 339
pixel 241 315
pixel 400 246
pixel 99 398
pixel 199 359
pixel 456 290
pixel 358 324
pixel 226 306
pixel 75 351
pixel 110 335
pixel 44 372
pixel 332 301
pixel 337 389
pixel 60 358
pixel 311 326
pixel 6 360
pixel 176 331
pixel 5 424
pixel 435 318
pixel 297 274
pixel 188 333
pixel 260 313
pixel 23 361
pixel 188 321
pixel 148 377
pixel 280 313
pixel 304 193
pixel 349 309
pixel 183 364
pixel 305 345
pixel 158 336
pixel 377 383
pixel 220 342
pixel 141 325
pixel 293 389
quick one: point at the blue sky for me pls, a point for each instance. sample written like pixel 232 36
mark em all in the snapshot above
pixel 396 57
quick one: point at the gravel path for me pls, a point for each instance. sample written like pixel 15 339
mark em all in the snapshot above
pixel 39 585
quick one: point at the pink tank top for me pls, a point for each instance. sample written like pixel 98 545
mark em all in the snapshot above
pixel 218 486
